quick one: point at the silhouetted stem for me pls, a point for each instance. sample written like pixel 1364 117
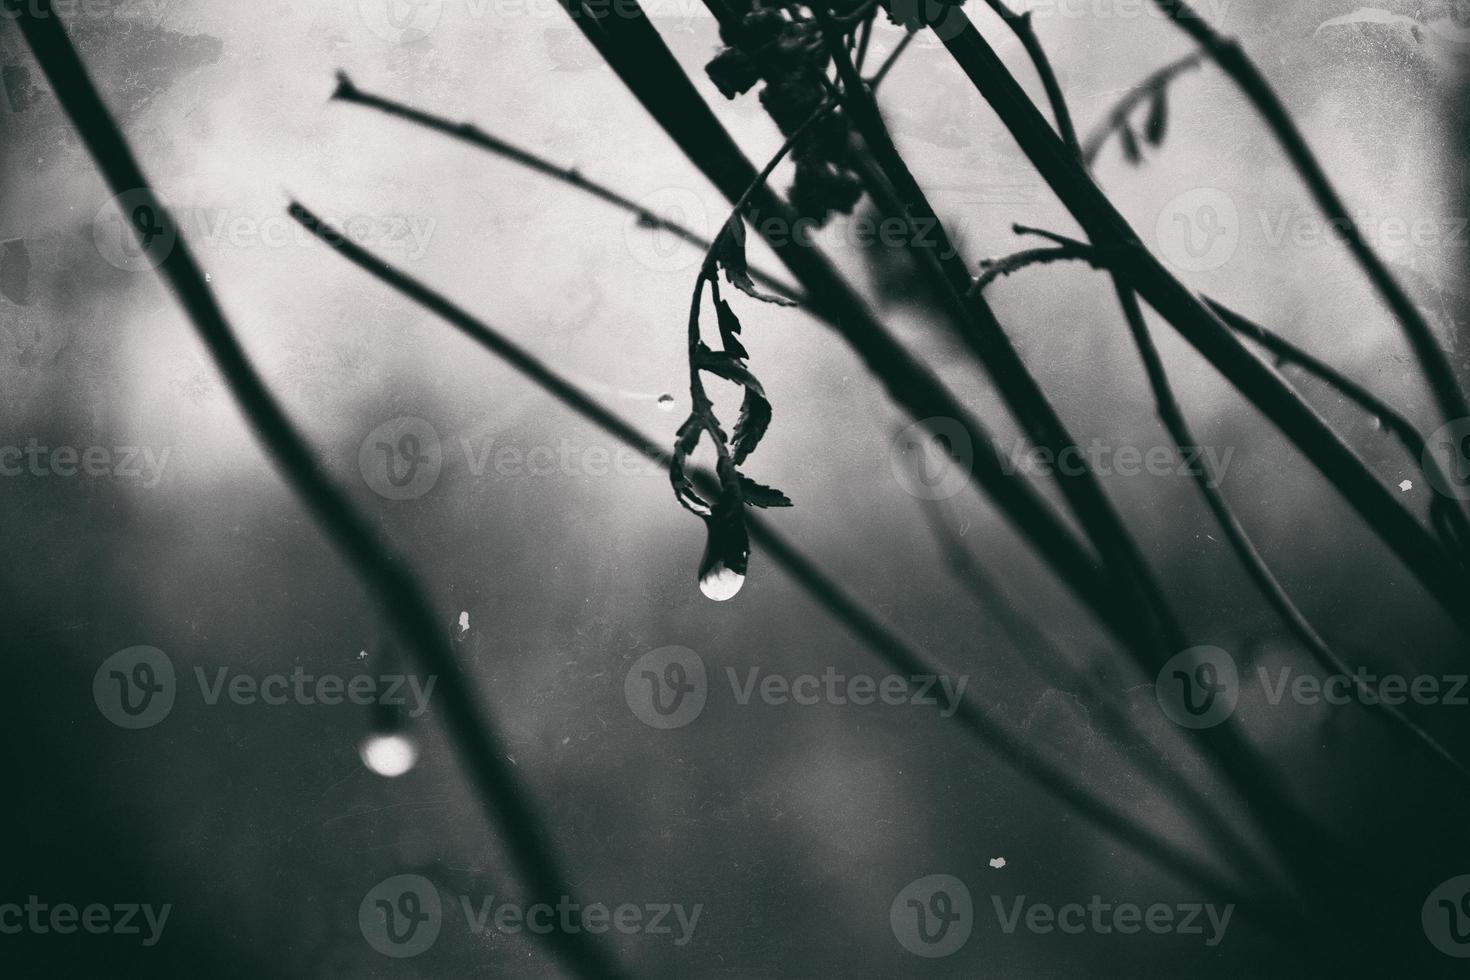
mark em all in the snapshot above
pixel 636 53
pixel 890 648
pixel 1048 660
pixel 475 136
pixel 1117 117
pixel 993 269
pixel 1420 550
pixel 977 327
pixel 1208 482
pixel 1025 31
pixel 1232 59
pixel 384 574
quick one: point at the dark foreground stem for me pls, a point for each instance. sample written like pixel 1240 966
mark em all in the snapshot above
pixel 382 572
pixel 643 62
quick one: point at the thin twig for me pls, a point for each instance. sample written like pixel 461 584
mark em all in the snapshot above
pixel 1048 660
pixel 1420 550
pixel 1233 61
pixel 1250 558
pixel 993 269
pixel 852 614
pixel 643 62
pixel 889 61
pixel 1390 419
pixel 474 135
pixel 381 571
pixel 1117 117
pixel 1025 31
pixel 977 327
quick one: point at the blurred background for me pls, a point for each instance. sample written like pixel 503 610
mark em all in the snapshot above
pixel 792 827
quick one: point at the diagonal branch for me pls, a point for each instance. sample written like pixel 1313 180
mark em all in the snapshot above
pixel 1420 550
pixel 893 650
pixel 1232 59
pixel 638 55
pixel 977 327
pixel 382 572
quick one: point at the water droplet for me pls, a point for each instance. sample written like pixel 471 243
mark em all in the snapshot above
pixel 390 754
pixel 666 402
pixel 1377 424
pixel 720 582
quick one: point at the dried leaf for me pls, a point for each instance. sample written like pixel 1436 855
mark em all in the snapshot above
pixel 1130 145
pixel 729 327
pixel 759 495
pixel 1158 117
pixel 684 445
pixel 755 418
pixel 731 256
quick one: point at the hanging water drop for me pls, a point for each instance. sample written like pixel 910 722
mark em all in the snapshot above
pixel 666 402
pixel 389 754
pixel 720 582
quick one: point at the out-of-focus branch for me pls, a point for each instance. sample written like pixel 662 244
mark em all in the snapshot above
pixel 1116 120
pixel 382 572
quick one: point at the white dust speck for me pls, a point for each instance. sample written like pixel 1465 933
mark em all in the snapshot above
pixel 997 862
pixel 1406 486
